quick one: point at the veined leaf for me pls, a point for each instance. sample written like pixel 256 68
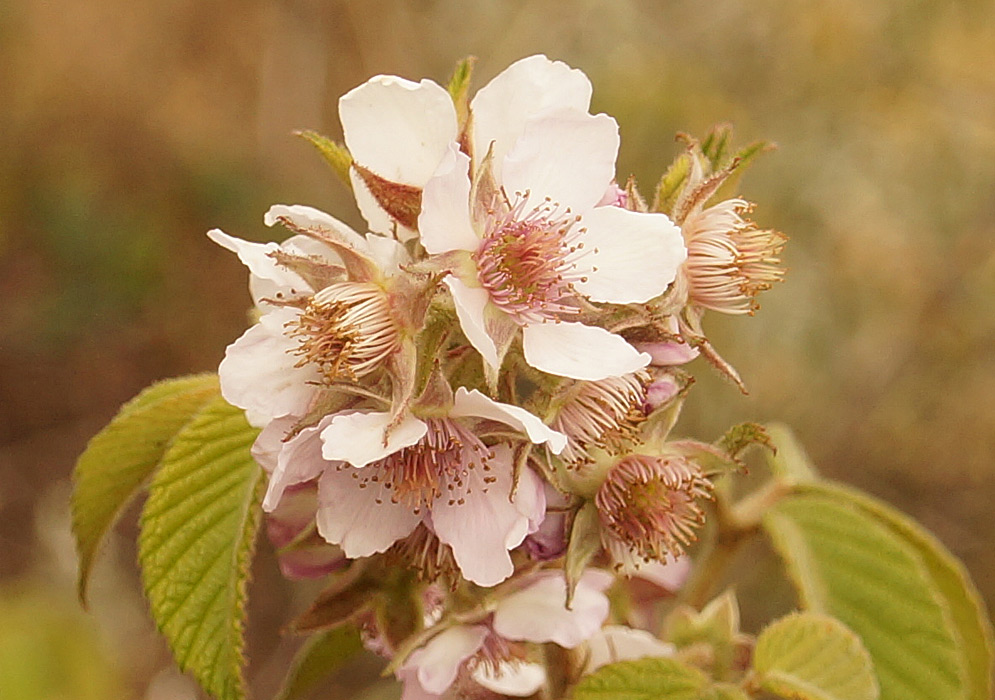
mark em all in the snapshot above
pixel 848 562
pixel 644 679
pixel 119 459
pixel 197 537
pixel 320 655
pixel 813 657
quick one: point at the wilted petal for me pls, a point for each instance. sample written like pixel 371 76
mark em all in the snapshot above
pixel 358 438
pixel 258 372
pixel 522 90
pixel 474 403
pixel 471 306
pixel 518 680
pixel 577 351
pixel 568 156
pixel 437 663
pixel 397 128
pixel 538 612
pixel 359 515
pixel 634 255
pixel 444 222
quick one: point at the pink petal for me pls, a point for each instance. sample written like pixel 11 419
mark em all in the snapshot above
pixel 634 255
pixel 360 518
pixel 300 460
pixel 574 350
pixel 437 663
pixel 538 612
pixel 471 305
pixel 358 438
pixel 258 372
pixel 568 156
pixel 474 403
pixel 444 223
pixel 397 128
pixel 311 219
pixel 524 89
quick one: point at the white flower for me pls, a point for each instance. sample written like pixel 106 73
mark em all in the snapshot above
pixel 489 654
pixel 532 240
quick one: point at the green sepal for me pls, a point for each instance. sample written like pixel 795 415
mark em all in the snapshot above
pixel 584 544
pixel 335 154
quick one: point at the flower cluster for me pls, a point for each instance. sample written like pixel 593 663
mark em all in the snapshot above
pixel 491 369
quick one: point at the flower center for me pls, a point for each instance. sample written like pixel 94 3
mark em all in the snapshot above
pixel 528 259
pixel 346 330
pixel 435 467
pixel 650 503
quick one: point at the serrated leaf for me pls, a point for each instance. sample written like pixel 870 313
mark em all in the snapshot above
pixel 335 154
pixel 971 623
pixel 644 679
pixel 813 657
pixel 788 460
pixel 122 456
pixel 319 656
pixel 845 562
pixel 198 531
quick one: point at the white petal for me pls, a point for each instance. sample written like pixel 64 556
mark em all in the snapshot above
pixel 444 222
pixel 670 576
pixel 311 219
pixel 258 372
pixel 388 253
pixel 471 304
pixel 267 277
pixel 358 438
pixel 298 461
pixel 474 403
pixel 438 662
pixel 361 520
pixel 538 612
pixel 577 351
pixel 568 156
pixel 635 255
pixel 524 89
pixel 397 128
pixel 486 525
pixel 518 680
pixel 620 643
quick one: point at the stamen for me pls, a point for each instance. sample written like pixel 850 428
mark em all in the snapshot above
pixel 528 259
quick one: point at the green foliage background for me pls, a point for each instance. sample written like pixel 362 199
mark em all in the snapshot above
pixel 130 129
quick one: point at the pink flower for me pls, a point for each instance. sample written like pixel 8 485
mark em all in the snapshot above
pixel 491 654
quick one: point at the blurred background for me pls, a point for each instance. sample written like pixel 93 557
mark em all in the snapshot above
pixel 127 130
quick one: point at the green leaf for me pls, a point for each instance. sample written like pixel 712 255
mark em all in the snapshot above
pixel 788 460
pixel 849 562
pixel 197 537
pixel 644 679
pixel 459 88
pixel 335 154
pixel 724 691
pixel 119 459
pixel 813 657
pixel 320 655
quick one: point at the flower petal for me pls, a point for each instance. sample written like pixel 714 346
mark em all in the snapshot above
pixel 635 255
pixel 358 438
pixel 311 219
pixel 259 372
pixel 299 460
pixel 620 643
pixel 358 516
pixel 487 524
pixel 437 663
pixel 538 612
pixel 474 403
pixel 267 278
pixel 567 156
pixel 444 222
pixel 398 129
pixel 522 90
pixel 518 680
pixel 577 351
pixel 471 305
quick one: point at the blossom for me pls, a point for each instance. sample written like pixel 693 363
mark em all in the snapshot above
pixel 490 653
pixel 380 478
pixel 318 322
pixel 517 209
pixel 620 643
